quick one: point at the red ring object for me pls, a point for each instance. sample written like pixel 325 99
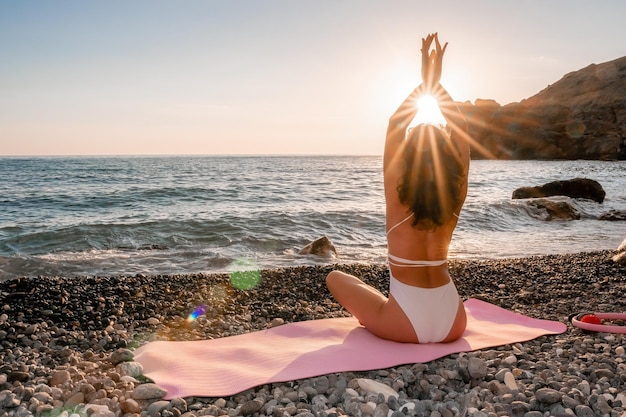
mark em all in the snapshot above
pixel 590 318
pixel 605 328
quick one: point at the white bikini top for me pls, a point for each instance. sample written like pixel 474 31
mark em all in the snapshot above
pixel 410 263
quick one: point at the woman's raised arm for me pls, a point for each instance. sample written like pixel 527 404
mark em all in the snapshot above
pixel 455 119
pixel 399 122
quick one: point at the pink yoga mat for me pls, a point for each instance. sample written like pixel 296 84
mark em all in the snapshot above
pixel 227 366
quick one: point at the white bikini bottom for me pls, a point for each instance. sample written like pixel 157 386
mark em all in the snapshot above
pixel 431 311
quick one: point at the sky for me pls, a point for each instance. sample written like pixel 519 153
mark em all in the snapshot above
pixel 148 77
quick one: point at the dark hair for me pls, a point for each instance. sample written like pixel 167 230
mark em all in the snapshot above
pixel 432 176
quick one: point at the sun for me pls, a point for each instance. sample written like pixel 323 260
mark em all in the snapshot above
pixel 428 112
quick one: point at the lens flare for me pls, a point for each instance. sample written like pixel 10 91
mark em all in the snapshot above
pixel 428 112
pixel 245 274
pixel 201 309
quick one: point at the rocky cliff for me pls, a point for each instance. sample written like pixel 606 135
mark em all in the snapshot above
pixel 581 116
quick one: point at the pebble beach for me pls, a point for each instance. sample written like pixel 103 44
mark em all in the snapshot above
pixel 67 344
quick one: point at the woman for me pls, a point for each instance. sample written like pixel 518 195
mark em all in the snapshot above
pixel 425 178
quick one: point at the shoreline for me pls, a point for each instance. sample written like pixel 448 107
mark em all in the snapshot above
pixel 72 327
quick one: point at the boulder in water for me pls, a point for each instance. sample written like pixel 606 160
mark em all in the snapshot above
pixel 321 247
pixel 574 188
pixel 613 215
pixel 557 210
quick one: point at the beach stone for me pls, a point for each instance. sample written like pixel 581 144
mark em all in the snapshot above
pixel 75 399
pixel 603 373
pixel 436 380
pixel 250 407
pixel 376 387
pixel 121 355
pixel 548 395
pixel 519 407
pixel 130 406
pixel 18 376
pixel 569 402
pixel 148 391
pixel 321 384
pixel 602 406
pixel 510 360
pixel 584 387
pixel 367 408
pixel 509 381
pixel 557 409
pixel 319 403
pixel 500 374
pixel 155 409
pixel 179 403
pixel 59 378
pixel 477 368
pixel 381 410
pixel 497 388
pixel 584 411
pixel 10 400
pixel 128 379
pixel 277 322
pixel 96 410
pixel 133 369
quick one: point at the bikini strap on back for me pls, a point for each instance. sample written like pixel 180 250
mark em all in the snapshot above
pixel 399 223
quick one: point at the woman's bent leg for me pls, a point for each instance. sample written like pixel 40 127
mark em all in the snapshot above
pixel 381 316
pixel 360 299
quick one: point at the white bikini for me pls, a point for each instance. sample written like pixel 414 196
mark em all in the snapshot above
pixel 431 311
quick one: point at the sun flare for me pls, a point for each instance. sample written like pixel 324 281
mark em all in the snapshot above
pixel 428 112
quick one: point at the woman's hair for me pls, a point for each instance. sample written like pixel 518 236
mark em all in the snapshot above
pixel 433 174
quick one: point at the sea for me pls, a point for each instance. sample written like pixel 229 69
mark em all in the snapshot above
pixel 165 215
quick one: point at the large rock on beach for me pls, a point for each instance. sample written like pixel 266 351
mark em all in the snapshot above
pixel 581 116
pixel 320 247
pixel 574 188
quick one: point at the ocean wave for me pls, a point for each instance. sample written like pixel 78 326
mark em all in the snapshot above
pixel 85 216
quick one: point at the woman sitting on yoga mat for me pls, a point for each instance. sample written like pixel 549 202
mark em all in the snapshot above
pixel 425 176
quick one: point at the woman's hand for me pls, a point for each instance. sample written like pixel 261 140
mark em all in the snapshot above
pixel 432 61
pixel 426 67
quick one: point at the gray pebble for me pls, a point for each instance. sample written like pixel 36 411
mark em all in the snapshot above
pixel 584 411
pixel 148 391
pixel 121 355
pixel 133 369
pixel 548 395
pixel 250 407
pixel 477 368
pixel 155 408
